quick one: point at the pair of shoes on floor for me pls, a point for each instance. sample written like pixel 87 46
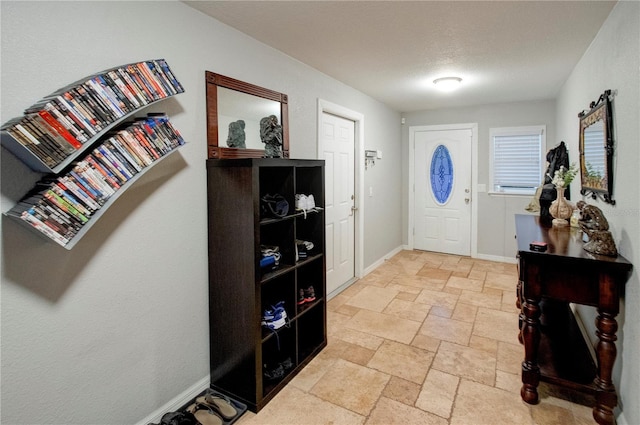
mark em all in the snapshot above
pixel 274 317
pixel 211 409
pixel 306 295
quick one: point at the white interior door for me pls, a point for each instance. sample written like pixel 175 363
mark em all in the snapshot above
pixel 338 135
pixel 442 191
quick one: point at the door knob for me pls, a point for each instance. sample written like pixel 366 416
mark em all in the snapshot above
pixel 466 200
pixel 353 209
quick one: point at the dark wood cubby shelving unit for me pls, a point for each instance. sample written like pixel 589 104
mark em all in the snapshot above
pixel 239 290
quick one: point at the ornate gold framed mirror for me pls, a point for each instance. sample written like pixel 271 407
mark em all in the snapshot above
pixel 231 103
pixel 596 149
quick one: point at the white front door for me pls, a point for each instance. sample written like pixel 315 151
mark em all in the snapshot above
pixel 338 135
pixel 442 191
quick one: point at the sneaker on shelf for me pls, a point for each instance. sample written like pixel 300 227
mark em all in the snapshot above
pixel 301 297
pixel 309 294
pixel 305 203
pixel 274 317
pixel 274 374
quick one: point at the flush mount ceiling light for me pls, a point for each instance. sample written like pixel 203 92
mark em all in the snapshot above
pixel 447 83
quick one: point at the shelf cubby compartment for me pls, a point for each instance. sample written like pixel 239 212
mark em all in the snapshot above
pixel 311 333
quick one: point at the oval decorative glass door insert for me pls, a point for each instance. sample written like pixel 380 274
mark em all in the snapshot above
pixel 441 175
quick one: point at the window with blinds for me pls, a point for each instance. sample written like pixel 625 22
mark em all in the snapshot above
pixel 516 159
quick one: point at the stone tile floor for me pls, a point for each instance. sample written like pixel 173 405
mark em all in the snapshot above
pixel 426 338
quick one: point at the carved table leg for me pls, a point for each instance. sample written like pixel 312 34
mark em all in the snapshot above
pixel 519 307
pixel 606 398
pixel 531 337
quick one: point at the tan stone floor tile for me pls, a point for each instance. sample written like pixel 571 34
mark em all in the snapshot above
pixel 477 274
pixel 426 343
pixel 292 404
pixel 403 361
pixel 460 274
pixel 407 310
pixel 336 322
pixel 465 312
pixel 357 354
pixel 495 324
pixel 348 310
pixel 446 329
pixel 353 290
pixel 485 344
pixel 432 273
pixel 405 296
pixel 463 267
pixel 351 386
pixel 401 390
pixel 466 362
pixel 548 414
pixel 373 298
pixel 482 299
pixel 384 326
pixel 362 339
pixel 376 279
pixel 505 282
pixel 334 303
pixel 510 357
pixel 409 267
pixel 438 393
pixel 335 347
pixel 436 298
pixel 480 404
pixel 465 283
pixel 454 291
pixel 508 381
pixel 312 372
pixel 437 310
pixel 410 285
pixel 418 282
pixel 389 411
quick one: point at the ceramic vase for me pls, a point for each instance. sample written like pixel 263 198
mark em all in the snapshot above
pixel 560 209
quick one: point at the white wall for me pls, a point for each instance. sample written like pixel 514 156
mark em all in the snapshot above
pixel 613 62
pixel 496 224
pixel 115 328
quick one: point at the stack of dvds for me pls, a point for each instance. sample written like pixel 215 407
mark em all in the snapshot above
pixel 60 205
pixel 60 124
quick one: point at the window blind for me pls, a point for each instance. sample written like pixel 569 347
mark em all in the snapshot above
pixel 517 162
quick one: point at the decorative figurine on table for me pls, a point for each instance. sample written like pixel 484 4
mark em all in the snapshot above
pixel 236 135
pixel 271 136
pixel 596 227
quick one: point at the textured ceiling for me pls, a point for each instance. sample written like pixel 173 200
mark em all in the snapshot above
pixel 504 51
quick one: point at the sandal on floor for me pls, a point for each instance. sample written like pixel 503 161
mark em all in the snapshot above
pixel 204 415
pixel 219 404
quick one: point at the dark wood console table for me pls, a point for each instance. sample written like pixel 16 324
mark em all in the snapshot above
pixel 555 350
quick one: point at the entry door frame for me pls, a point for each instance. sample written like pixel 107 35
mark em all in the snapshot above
pixel 474 178
pixel 358 118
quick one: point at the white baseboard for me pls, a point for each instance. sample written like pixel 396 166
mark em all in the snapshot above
pixel 511 260
pixel 381 261
pixel 178 401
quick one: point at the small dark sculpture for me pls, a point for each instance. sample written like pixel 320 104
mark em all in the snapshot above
pixel 556 158
pixel 271 136
pixel 236 135
pixel 596 226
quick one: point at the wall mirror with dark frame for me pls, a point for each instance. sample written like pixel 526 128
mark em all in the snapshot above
pixel 232 101
pixel 596 149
